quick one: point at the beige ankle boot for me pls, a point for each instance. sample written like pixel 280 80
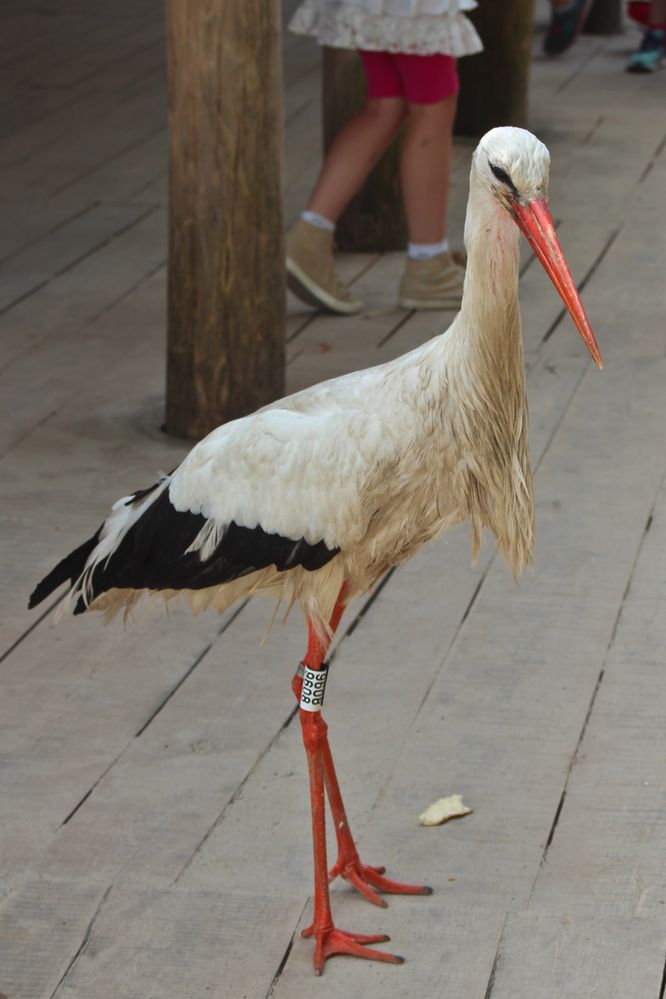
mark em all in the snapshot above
pixel 436 283
pixel 311 271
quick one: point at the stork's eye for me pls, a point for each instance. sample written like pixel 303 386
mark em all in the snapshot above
pixel 503 176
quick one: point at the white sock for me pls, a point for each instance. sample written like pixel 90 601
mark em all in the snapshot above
pixel 424 251
pixel 314 219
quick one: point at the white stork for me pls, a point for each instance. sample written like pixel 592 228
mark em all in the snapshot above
pixel 313 498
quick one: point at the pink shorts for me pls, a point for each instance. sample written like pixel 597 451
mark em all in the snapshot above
pixel 419 79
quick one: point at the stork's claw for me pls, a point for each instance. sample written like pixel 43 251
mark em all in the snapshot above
pixel 365 879
pixel 333 941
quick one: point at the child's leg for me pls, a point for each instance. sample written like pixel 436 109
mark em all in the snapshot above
pixel 652 50
pixel 425 169
pixel 432 278
pixel 430 84
pixel 310 262
pixel 355 151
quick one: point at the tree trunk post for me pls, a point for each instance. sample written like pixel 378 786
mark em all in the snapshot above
pixel 494 83
pixel 374 220
pixel 605 18
pixel 226 299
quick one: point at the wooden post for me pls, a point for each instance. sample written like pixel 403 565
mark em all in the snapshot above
pixel 494 83
pixel 374 220
pixel 226 260
pixel 605 18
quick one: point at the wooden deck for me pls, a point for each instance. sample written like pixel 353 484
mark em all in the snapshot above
pixel 153 807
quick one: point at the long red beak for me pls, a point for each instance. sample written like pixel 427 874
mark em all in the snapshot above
pixel 536 222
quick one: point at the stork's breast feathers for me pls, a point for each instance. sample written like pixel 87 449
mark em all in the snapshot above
pixel 296 475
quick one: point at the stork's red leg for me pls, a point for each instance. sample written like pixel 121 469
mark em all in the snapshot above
pixel 328 939
pixel 348 864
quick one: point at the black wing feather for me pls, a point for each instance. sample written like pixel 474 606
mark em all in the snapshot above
pixel 69 568
pixel 153 555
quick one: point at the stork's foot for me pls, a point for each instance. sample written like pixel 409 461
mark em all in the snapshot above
pixel 366 879
pixel 333 941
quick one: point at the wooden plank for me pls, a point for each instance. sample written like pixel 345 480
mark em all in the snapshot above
pixel 556 75
pixel 574 957
pixel 84 687
pixel 157 944
pixel 78 149
pixel 71 242
pixel 63 478
pixel 60 317
pixel 168 785
pixel 607 853
pixel 134 165
pixel 39 38
pixel 155 191
pixel 115 63
pixel 449 953
pixel 42 926
pixel 630 327
pixel 606 198
pixel 29 218
pixel 33 122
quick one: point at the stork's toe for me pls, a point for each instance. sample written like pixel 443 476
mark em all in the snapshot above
pixel 368 881
pixel 334 941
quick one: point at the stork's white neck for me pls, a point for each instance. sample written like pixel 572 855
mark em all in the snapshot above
pixel 490 313
pixel 488 381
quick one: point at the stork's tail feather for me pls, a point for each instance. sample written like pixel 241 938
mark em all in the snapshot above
pixel 69 569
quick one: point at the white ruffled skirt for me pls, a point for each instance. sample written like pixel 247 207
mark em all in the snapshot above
pixel 417 27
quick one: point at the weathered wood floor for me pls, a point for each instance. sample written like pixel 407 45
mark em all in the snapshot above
pixel 154 836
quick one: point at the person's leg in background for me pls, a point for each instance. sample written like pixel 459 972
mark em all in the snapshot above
pixel 432 278
pixel 427 86
pixel 354 152
pixel 567 18
pixel 650 54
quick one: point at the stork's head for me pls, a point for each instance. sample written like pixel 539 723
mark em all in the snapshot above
pixel 514 165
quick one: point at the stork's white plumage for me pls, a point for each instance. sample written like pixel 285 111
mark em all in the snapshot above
pixel 314 497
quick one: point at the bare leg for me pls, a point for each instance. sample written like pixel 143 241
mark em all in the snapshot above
pixel 354 153
pixel 425 169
